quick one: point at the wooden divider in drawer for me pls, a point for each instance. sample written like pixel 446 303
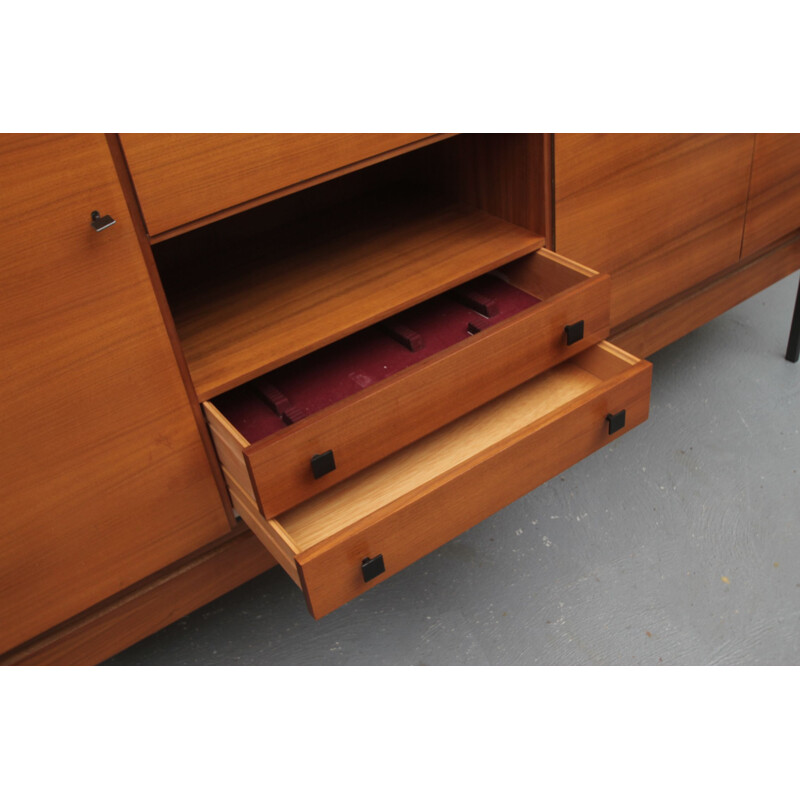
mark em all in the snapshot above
pixel 352 537
pixel 296 432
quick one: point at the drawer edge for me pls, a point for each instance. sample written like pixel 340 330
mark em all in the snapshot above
pixel 268 532
pixel 229 445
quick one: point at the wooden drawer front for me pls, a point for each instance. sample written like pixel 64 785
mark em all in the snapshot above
pixel 773 205
pixel 180 178
pixel 385 417
pixel 421 497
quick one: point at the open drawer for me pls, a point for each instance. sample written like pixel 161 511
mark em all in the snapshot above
pixel 353 536
pixel 281 448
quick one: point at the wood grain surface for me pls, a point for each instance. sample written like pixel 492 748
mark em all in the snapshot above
pixel 160 600
pixel 182 177
pixel 773 206
pixel 269 532
pixel 395 412
pixel 415 501
pixel 713 298
pixel 230 446
pixel 660 212
pixel 434 457
pixel 504 174
pixel 313 290
pixel 118 158
pixel 105 479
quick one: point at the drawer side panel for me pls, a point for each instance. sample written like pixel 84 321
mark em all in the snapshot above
pixel 265 531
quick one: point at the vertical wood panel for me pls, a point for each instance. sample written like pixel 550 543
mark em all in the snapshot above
pixel 660 212
pixel 773 207
pixel 104 477
pixel 504 174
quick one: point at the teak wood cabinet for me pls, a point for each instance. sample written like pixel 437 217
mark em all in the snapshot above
pixel 331 352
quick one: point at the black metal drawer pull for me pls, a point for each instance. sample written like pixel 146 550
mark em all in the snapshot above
pixel 574 332
pixel 616 421
pixel 101 223
pixel 372 567
pixel 322 463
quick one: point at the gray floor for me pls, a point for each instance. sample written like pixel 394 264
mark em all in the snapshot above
pixel 678 544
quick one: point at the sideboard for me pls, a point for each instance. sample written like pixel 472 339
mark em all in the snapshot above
pixel 332 353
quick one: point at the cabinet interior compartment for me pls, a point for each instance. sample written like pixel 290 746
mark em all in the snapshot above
pixel 270 285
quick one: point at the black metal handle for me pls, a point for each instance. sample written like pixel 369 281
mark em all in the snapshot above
pixel 322 463
pixel 372 567
pixel 101 223
pixel 574 332
pixel 616 421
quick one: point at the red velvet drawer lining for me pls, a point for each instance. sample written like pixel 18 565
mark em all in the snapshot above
pixel 320 379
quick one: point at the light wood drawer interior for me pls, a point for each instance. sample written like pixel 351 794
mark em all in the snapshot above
pixel 420 497
pixel 274 462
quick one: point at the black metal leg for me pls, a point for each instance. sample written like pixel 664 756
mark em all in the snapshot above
pixel 793 348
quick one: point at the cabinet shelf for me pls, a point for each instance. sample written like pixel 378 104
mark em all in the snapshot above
pixel 369 260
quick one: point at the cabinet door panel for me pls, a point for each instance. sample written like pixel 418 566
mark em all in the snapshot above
pixel 660 212
pixel 104 476
pixel 181 177
pixel 773 207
